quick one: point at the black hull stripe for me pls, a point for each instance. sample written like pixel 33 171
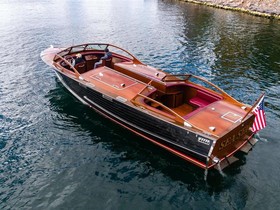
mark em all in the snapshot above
pixel 140 123
pixel 117 119
pixel 184 156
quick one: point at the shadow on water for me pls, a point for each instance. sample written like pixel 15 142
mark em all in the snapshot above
pixel 136 149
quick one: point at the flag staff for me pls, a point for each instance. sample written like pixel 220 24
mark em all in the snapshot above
pixel 257 102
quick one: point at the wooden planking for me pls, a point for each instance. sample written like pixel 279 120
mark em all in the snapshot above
pixel 109 82
pixel 211 116
pixel 113 79
pixel 183 109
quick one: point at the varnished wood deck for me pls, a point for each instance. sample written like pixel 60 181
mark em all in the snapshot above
pixel 220 114
pixel 113 83
pixel 183 109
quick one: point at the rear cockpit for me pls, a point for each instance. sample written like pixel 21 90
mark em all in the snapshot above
pixel 176 100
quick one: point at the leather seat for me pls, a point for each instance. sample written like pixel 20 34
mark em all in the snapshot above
pixel 107 62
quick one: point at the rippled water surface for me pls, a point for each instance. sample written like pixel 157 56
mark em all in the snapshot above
pixel 58 154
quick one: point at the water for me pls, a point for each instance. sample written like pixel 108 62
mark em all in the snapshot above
pixel 58 154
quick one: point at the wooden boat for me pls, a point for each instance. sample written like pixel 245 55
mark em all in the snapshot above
pixel 184 114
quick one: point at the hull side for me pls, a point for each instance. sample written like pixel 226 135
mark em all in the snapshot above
pixel 183 143
pixel 234 140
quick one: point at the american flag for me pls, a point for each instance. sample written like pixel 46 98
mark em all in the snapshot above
pixel 260 121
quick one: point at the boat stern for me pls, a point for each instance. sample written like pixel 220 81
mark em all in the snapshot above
pixel 238 139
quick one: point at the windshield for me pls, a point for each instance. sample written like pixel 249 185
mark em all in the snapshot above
pixel 96 47
pixel 77 48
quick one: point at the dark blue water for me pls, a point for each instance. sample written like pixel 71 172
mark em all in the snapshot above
pixel 58 154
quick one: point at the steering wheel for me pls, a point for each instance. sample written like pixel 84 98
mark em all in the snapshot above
pixel 69 58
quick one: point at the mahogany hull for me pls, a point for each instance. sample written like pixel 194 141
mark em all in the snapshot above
pixel 203 126
pixel 169 136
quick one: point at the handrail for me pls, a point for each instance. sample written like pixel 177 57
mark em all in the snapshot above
pixel 178 118
pixel 147 85
pixel 134 58
pixel 204 80
pixel 215 86
pixel 71 66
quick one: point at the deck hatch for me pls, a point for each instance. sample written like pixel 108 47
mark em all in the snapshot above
pixel 232 117
pixel 114 79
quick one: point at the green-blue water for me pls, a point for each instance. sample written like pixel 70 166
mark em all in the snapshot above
pixel 58 154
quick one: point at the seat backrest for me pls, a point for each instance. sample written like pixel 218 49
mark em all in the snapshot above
pixel 81 67
pixel 107 62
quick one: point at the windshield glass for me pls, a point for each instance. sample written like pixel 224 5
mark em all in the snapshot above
pixel 96 47
pixel 78 49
